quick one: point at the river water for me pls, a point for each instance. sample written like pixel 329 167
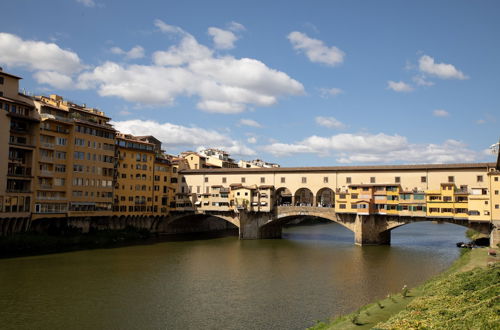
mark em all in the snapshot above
pixel 313 273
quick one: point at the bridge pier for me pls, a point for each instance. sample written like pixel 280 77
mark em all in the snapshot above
pixel 258 225
pixel 495 234
pixel 368 230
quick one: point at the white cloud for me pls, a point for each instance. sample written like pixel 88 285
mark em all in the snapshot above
pixel 440 70
pixel 167 28
pixel 249 122
pixel 399 86
pixel 87 3
pixel 375 148
pixel 421 80
pixel 173 136
pixel 440 113
pixel 315 49
pixel 235 26
pixel 327 92
pixel 37 55
pixel 55 79
pixel 329 122
pixel 223 39
pixel 252 140
pixel 134 53
pixel 222 84
pixel 480 121
pixel 51 64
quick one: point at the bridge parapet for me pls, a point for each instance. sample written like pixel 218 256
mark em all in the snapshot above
pixel 305 209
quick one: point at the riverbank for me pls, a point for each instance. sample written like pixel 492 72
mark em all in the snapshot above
pixel 463 297
pixel 30 243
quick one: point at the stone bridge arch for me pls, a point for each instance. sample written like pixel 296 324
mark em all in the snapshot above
pixel 190 222
pixel 287 213
pixel 398 221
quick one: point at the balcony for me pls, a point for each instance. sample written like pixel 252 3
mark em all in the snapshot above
pixel 47 173
pixel 58 118
pixel 51 198
pixel 19 171
pixel 18 190
pixel 45 186
pixel 21 141
pixel 26 116
pixel 47 159
pixel 20 161
pixel 47 145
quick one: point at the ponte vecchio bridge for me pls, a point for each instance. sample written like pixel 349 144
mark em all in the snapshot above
pixel 368 200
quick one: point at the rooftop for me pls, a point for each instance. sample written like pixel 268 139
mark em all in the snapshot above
pixel 342 168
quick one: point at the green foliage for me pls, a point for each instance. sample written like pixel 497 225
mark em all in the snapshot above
pixel 468 300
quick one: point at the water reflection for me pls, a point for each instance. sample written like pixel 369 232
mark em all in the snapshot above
pixel 223 283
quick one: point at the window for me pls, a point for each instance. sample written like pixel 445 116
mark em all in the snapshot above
pixel 60 155
pixel 206 179
pixel 262 180
pixel 61 141
pixel 479 178
pixel 342 206
pixel 224 180
pixel 397 179
pixel 348 180
pixel 497 206
pixel 451 179
pixel 496 192
pixel 60 168
pixel 325 179
pixel 243 180
pixel 372 179
pixel 423 179
pixel 282 179
pixel 496 179
pixel 304 179
pixel 1 80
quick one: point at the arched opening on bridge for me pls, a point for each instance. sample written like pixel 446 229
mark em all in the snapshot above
pixel 325 198
pixel 283 196
pixel 197 226
pixel 303 197
pixel 440 234
pixel 305 227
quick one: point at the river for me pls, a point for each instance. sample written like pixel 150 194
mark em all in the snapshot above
pixel 313 273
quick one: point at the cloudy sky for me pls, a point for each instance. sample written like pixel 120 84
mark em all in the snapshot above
pixel 300 83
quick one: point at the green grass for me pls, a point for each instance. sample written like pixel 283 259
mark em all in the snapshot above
pixel 465 296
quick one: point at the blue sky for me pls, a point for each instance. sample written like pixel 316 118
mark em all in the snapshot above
pixel 300 83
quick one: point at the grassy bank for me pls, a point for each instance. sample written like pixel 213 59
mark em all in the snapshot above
pixel 466 296
pixel 34 243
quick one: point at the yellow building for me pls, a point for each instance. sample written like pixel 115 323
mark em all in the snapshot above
pixel 75 160
pixel 135 174
pixel 18 138
pixel 194 160
pixel 494 179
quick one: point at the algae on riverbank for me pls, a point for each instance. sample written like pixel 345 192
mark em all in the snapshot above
pixel 466 296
